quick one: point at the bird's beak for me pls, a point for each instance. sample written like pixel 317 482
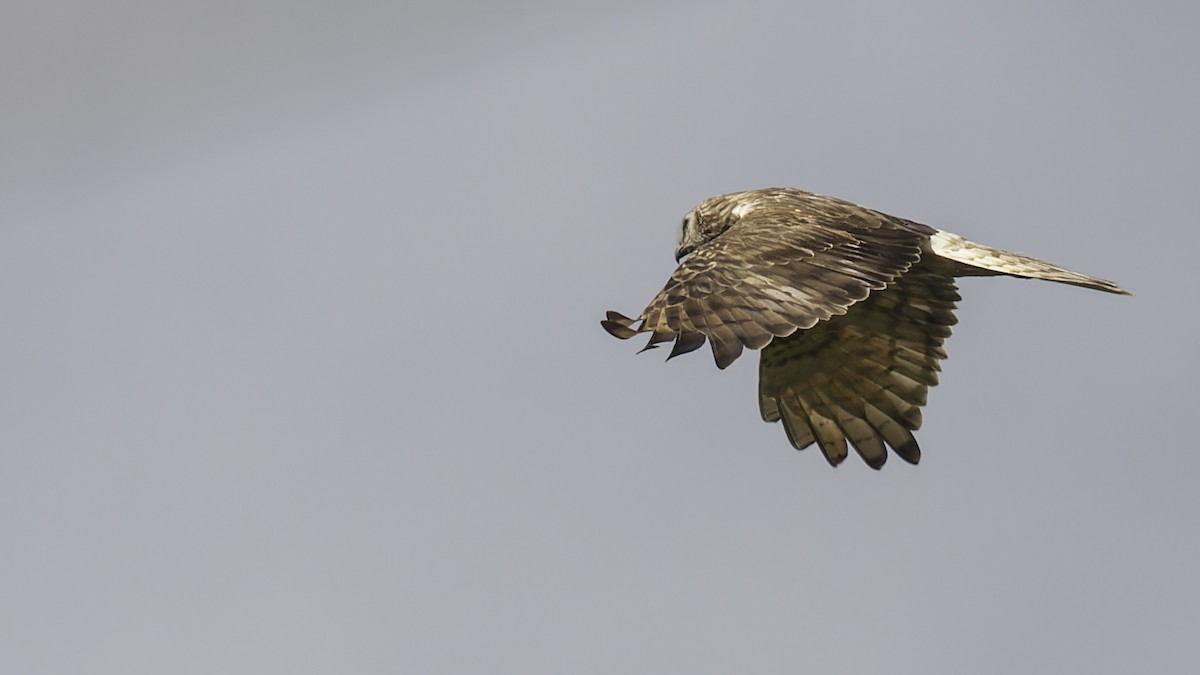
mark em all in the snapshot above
pixel 681 252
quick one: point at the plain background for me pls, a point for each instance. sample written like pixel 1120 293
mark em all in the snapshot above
pixel 301 370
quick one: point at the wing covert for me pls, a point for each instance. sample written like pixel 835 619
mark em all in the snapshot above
pixel 775 271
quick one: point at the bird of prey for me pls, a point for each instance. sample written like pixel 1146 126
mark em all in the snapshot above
pixel 850 307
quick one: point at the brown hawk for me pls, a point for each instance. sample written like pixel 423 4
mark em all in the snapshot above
pixel 849 306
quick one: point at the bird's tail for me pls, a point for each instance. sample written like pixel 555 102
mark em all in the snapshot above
pixel 990 260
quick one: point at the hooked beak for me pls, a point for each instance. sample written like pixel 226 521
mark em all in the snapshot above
pixel 682 251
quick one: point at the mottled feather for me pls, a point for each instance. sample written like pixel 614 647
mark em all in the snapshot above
pixel 883 354
pixel 850 307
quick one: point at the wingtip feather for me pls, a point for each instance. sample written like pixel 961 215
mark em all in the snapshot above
pixel 618 330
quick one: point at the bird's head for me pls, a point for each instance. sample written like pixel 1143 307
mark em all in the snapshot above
pixel 712 217
pixel 691 235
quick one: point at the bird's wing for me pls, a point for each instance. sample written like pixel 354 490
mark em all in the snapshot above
pixel 773 272
pixel 862 376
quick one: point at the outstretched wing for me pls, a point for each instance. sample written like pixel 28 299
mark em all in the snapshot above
pixel 862 376
pixel 775 271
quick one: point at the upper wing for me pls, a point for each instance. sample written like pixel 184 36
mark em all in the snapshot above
pixel 773 272
pixel 863 376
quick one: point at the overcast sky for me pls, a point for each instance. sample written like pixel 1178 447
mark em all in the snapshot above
pixel 301 368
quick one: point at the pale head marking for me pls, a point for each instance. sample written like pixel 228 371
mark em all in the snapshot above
pixel 744 206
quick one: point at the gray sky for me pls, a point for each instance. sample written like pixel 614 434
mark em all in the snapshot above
pixel 302 369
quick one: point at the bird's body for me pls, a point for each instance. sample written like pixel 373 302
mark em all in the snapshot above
pixel 849 306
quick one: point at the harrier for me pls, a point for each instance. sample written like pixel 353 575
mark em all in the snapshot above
pixel 849 306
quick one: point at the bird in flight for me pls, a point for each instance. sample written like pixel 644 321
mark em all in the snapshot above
pixel 850 307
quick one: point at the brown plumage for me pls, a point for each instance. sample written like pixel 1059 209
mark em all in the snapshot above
pixel 849 306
